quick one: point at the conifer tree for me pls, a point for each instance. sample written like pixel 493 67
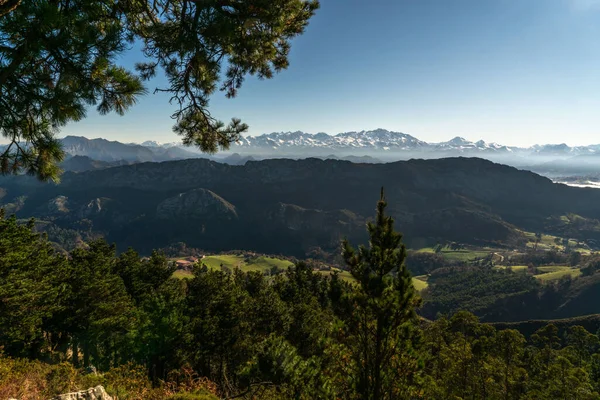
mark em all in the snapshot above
pixel 30 287
pixel 384 310
pixel 57 57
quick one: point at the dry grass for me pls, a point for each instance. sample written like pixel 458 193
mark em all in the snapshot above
pixel 35 380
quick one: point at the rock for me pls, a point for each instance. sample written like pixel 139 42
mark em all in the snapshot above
pixel 196 204
pixel 97 393
pixel 58 205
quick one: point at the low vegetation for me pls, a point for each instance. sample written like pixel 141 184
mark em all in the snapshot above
pixel 36 380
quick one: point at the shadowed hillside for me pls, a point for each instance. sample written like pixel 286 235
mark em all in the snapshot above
pixel 293 206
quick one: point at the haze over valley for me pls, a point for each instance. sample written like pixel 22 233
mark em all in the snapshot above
pixel 575 165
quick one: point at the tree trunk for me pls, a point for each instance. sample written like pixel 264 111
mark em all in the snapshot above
pixel 75 355
pixel 86 353
pixel 378 362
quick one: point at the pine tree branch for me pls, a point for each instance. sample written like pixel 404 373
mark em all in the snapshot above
pixel 7 6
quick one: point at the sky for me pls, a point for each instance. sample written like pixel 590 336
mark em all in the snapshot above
pixel 515 72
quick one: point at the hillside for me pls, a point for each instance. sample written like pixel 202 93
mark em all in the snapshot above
pixel 102 150
pixel 296 206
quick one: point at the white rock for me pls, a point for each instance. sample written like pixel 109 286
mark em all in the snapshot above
pixel 97 393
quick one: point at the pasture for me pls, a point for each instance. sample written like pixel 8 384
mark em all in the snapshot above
pixel 555 273
pixel 420 282
pixel 261 263
pixel 458 255
pixel 230 262
pixel 513 268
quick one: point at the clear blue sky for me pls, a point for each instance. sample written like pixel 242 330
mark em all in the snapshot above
pixel 517 72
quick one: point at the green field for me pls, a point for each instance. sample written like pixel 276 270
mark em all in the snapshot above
pixel 464 255
pixel 557 272
pixel 420 282
pixel 546 273
pixel 513 268
pixel 457 255
pixel 261 263
pixel 426 250
pixel 181 274
pixel 549 242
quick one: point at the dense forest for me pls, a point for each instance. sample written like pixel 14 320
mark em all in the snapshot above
pixel 95 316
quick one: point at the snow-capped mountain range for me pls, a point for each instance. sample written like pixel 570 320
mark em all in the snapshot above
pixel 383 141
pixel 379 139
pixel 381 144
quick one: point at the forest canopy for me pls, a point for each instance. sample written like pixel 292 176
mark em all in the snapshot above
pixel 226 333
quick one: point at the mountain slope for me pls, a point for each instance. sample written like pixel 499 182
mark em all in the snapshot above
pixel 458 199
pixel 113 151
pixel 85 163
pixel 105 150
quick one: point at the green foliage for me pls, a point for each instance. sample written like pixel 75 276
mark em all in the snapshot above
pixel 298 334
pixel 483 291
pixel 383 310
pixel 58 57
pixel 29 295
pixel 423 262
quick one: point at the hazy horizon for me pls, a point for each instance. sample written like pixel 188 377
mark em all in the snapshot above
pixel 177 139
pixel 515 73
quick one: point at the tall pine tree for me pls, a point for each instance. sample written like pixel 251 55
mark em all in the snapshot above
pixel 379 328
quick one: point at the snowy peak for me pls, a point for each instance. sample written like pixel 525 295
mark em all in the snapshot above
pixel 562 148
pixel 459 141
pixel 379 139
pixel 150 143
pixel 155 144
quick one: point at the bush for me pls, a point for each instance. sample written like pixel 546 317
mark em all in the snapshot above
pixel 33 380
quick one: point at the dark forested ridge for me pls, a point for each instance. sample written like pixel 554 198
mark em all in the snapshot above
pixel 295 206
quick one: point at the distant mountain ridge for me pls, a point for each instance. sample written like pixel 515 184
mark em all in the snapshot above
pixel 383 141
pixel 114 151
pixel 379 139
pixel 380 145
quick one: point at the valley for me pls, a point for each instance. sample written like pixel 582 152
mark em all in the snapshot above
pixel 482 237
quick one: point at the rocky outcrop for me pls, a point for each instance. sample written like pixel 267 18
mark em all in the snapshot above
pixel 58 205
pixel 94 206
pixel 97 393
pixel 196 204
